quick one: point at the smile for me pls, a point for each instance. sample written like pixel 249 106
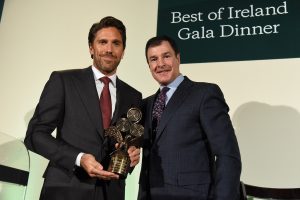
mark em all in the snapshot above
pixel 107 57
pixel 163 71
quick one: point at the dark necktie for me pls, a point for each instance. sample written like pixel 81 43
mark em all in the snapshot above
pixel 105 102
pixel 159 106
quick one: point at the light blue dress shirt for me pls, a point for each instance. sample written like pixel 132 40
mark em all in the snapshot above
pixel 173 86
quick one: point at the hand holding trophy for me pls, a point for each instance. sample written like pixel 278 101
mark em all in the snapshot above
pixel 127 132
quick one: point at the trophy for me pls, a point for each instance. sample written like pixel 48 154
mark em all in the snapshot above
pixel 127 132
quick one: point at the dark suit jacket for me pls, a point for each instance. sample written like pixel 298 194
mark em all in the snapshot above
pixel 69 103
pixel 195 154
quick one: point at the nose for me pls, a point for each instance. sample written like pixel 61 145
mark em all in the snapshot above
pixel 160 62
pixel 109 47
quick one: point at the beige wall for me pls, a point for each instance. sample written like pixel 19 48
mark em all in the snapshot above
pixel 37 37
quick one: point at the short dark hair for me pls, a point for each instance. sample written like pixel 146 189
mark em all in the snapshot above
pixel 157 40
pixel 105 23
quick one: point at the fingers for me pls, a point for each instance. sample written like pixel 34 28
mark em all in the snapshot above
pixel 134 155
pixel 105 175
pixel 89 164
pixel 95 169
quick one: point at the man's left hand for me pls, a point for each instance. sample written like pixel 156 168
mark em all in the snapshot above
pixel 134 155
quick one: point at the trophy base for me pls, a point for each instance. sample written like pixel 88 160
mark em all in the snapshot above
pixel 119 163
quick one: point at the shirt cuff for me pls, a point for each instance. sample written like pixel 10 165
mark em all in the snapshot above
pixel 77 163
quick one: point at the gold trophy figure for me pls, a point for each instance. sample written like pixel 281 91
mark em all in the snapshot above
pixel 127 132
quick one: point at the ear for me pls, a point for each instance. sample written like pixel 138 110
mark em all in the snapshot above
pixel 123 54
pixel 91 49
pixel 178 57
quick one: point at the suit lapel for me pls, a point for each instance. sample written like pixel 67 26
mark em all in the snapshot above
pixel 174 103
pixel 149 109
pixel 85 84
pixel 121 98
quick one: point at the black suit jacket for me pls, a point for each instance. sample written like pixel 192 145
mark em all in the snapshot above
pixel 70 104
pixel 195 154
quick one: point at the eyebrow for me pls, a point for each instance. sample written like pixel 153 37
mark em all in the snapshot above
pixel 117 40
pixel 152 57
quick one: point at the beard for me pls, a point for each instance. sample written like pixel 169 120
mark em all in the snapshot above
pixel 107 64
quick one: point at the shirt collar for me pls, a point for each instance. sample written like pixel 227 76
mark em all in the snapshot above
pixel 98 75
pixel 174 84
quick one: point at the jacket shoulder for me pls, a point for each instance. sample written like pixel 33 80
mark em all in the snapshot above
pixel 72 71
pixel 205 85
pixel 128 87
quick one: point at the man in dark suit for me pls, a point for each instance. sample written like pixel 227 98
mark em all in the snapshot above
pixel 79 154
pixel 190 149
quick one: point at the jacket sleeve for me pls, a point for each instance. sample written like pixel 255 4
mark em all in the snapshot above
pixel 49 115
pixel 223 143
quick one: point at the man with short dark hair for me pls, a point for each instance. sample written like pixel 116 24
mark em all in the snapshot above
pixel 80 104
pixel 190 150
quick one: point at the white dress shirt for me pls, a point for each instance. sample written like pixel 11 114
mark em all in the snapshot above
pixel 99 87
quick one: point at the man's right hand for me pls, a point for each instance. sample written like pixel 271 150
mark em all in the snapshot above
pixel 95 169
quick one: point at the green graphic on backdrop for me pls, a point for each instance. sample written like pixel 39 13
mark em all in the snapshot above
pixel 1 8
pixel 234 30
